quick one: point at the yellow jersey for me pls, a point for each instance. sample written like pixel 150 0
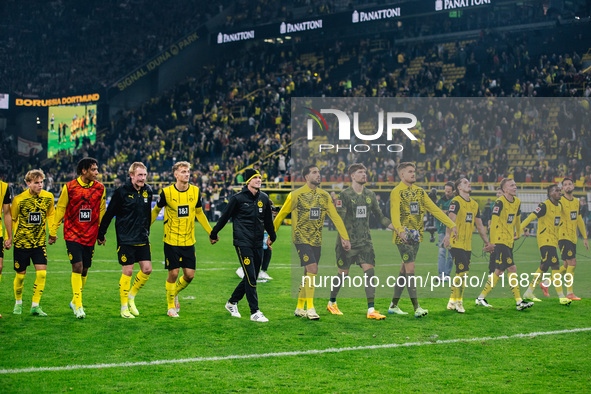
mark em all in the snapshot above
pixel 549 216
pixel 466 214
pixel 180 210
pixel 5 197
pixel 571 219
pixel 408 205
pixel 30 215
pixel 505 221
pixel 308 208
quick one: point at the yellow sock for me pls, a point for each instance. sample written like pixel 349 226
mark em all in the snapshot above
pixel 557 282
pixel 124 284
pixel 76 289
pixel 489 285
pixel 39 285
pixel 19 283
pixel 563 269
pixel 83 278
pixel 301 298
pixel 571 279
pixel 170 294
pixel 533 284
pixel 310 290
pixel 463 286
pixel 513 278
pixel 455 292
pixel 138 283
pixel 0 277
pixel 181 284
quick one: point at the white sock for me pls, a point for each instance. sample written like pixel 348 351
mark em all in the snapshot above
pixel 123 307
pixel 370 310
pixel 19 302
pixel 34 304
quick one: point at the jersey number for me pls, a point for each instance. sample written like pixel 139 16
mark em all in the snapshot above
pixel 183 211
pixel 314 214
pixel 469 216
pixel 34 217
pixel 414 208
pixel 84 215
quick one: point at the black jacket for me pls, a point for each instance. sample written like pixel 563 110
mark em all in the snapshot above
pixel 251 215
pixel 133 211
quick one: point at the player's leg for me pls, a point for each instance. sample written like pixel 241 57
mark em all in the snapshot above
pixel 368 267
pixel 501 253
pixel 247 280
pixel 126 260
pixel 513 280
pixel 251 292
pixel 171 261
pixel 311 272
pixel 455 283
pixel 39 258
pixel 87 256
pixel 343 265
pixel 1 259
pixel 189 264
pixel 143 256
pixel 556 279
pixel 267 253
pixel 529 293
pixel 405 251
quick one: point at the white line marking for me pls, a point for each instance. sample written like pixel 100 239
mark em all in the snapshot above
pixel 283 354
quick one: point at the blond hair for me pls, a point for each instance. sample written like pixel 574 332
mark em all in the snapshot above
pixel 180 164
pixel 403 165
pixel 134 166
pixel 34 174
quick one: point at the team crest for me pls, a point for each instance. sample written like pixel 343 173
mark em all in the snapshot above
pixel 509 260
pixel 246 261
pixel 17 265
pixel 124 258
pixel 145 195
pixel 340 263
pixel 405 256
pixel 70 256
pixel 368 200
pixel 570 253
pixel 260 204
pixel 306 258
pixel 461 266
pixel 554 259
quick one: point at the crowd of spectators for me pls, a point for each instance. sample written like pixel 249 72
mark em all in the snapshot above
pixel 238 114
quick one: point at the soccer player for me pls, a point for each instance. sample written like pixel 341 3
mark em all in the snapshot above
pixel 308 206
pixel 182 204
pixel 31 211
pixel 567 240
pixel 491 261
pixel 445 260
pixel 132 204
pixel 464 212
pixel 354 206
pixel 6 198
pixel 81 206
pixel 408 204
pixel 549 214
pixel 504 229
pixel 251 213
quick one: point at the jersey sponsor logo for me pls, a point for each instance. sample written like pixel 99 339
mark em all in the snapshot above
pixel 84 215
pixel 183 211
pixel 469 217
pixel 314 213
pixel 557 220
pixel 510 218
pixel 573 215
pixel 414 208
pixel 34 218
pixel 361 212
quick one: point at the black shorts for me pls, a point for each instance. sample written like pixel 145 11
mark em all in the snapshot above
pixel 461 259
pixel 363 255
pixel 568 250
pixel 1 247
pixel 179 257
pixel 130 254
pixel 308 254
pixel 24 256
pixel 503 257
pixel 80 253
pixel 549 257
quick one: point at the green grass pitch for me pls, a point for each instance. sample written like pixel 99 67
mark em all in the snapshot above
pixel 443 351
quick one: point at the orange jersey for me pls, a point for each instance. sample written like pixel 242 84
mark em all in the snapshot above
pixel 83 212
